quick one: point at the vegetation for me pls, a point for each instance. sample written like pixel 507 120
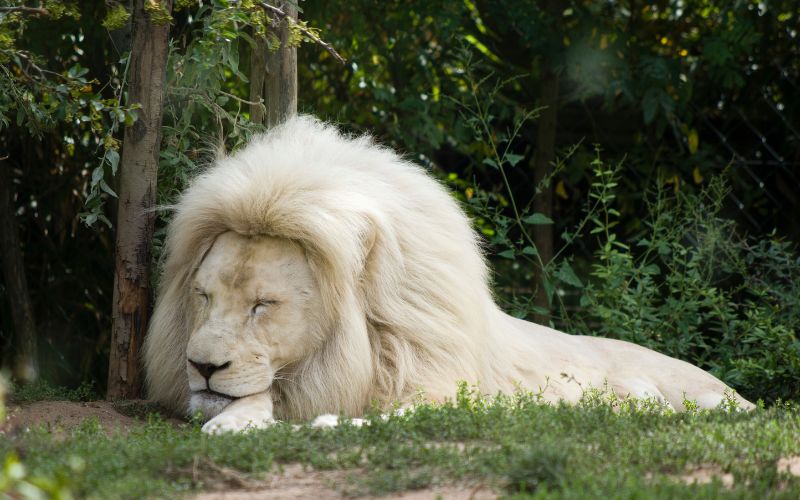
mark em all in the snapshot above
pixel 687 284
pixel 42 391
pixel 631 166
pixel 513 444
pixel 692 288
pixel 674 94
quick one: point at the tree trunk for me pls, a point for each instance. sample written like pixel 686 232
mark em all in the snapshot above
pixel 277 70
pixel 543 160
pixel 258 71
pixel 137 193
pixel 26 362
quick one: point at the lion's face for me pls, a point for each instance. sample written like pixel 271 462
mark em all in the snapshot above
pixel 255 309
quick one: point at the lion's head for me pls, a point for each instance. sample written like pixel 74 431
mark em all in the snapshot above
pixel 326 269
pixel 254 310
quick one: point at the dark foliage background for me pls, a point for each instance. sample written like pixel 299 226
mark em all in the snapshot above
pixel 677 179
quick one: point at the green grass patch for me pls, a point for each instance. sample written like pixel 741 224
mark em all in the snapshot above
pixel 42 390
pixel 515 445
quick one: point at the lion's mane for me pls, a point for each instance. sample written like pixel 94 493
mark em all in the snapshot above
pixel 404 283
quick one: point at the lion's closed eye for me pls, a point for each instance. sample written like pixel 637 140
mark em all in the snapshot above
pixel 202 295
pixel 262 306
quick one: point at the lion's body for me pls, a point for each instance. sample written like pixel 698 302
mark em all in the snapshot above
pixel 403 284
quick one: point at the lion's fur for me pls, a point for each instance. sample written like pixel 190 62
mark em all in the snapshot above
pixel 402 277
pixel 399 267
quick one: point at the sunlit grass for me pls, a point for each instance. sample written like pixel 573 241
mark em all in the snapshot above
pixel 515 445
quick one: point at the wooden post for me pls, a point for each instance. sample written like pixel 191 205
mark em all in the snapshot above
pixel 258 71
pixel 137 193
pixel 277 70
pixel 26 361
pixel 280 83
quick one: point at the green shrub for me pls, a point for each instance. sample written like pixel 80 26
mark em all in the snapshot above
pixel 690 286
pixel 17 482
pixel 41 390
pixel 687 284
pixel 537 466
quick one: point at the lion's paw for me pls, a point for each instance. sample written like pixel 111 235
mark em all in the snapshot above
pixel 329 421
pixel 233 422
pixel 325 421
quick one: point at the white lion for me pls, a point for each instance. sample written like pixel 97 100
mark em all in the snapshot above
pixel 313 273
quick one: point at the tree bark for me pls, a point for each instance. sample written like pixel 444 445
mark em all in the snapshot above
pixel 277 70
pixel 137 192
pixel 543 160
pixel 26 362
pixel 258 71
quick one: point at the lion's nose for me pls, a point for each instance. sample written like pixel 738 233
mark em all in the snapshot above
pixel 208 369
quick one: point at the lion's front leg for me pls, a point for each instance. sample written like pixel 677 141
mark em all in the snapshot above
pixel 249 412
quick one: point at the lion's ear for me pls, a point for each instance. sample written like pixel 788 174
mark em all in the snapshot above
pixel 369 238
pixel 380 246
pixel 378 242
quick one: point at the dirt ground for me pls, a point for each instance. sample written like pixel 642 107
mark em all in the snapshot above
pixel 294 481
pixel 63 414
pixel 289 482
pixel 56 415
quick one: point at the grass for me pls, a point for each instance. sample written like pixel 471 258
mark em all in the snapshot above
pixel 516 445
pixel 43 391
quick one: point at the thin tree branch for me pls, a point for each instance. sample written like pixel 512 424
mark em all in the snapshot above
pixel 243 101
pixel 30 64
pixel 308 33
pixel 195 91
pixel 40 11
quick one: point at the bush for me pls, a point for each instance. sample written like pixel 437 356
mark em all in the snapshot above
pixel 537 466
pixel 41 390
pixel 689 286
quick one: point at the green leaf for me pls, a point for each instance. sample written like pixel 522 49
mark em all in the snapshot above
pixel 107 189
pixel 548 288
pixel 508 254
pixel 537 218
pixel 513 159
pixel 566 274
pixel 529 250
pixel 97 175
pixel 112 157
pixel 651 269
pixel 130 117
pixel 536 310
pixel 490 162
pixel 105 220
